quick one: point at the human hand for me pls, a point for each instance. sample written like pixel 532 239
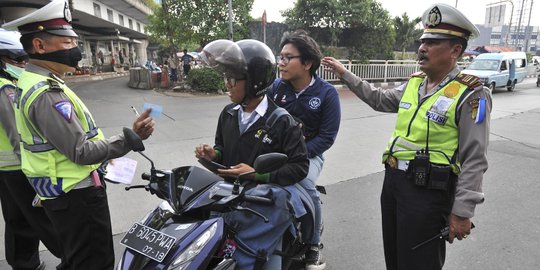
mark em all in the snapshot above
pixel 460 227
pixel 205 151
pixel 236 170
pixel 144 125
pixel 337 67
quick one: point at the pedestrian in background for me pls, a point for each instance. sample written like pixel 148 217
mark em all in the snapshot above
pixel 173 65
pixel 186 62
pixel 315 103
pixel 436 157
pixel 62 145
pixel 100 61
pixel 25 224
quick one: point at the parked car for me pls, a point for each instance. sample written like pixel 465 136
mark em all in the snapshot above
pixel 499 69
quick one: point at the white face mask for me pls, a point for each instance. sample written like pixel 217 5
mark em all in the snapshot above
pixel 14 71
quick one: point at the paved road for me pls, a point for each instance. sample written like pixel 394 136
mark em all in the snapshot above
pixel 508 231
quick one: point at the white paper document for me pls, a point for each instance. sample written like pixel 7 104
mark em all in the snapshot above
pixel 121 170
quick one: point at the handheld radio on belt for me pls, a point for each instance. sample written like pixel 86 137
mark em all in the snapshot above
pixel 426 174
pixel 421 165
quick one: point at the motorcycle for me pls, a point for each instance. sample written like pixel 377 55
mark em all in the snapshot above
pixel 184 233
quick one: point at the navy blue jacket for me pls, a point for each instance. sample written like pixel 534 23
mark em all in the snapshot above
pixel 317 107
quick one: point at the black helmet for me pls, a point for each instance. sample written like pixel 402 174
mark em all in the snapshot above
pixel 247 59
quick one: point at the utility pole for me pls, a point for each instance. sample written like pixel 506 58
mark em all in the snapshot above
pixel 510 23
pixel 519 22
pixel 456 4
pixel 230 21
pixel 528 29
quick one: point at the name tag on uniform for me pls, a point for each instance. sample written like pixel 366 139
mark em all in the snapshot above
pixel 405 105
pixel 437 118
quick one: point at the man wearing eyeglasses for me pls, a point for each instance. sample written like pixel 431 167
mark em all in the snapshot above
pixel 315 103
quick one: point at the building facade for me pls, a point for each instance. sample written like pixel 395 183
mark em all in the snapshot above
pixel 112 33
pixel 507 24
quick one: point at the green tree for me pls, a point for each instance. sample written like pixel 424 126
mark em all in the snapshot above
pixel 361 25
pixel 406 32
pixel 320 17
pixel 178 23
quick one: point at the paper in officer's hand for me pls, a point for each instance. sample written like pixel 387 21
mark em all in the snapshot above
pixel 156 110
pixel 121 170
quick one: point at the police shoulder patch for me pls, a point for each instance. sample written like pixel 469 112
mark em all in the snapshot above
pixel 418 74
pixel 471 81
pixel 65 108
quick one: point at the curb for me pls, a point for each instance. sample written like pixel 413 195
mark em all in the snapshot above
pixel 102 76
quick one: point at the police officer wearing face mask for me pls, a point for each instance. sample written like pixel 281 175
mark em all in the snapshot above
pixel 436 157
pixel 25 225
pixel 61 144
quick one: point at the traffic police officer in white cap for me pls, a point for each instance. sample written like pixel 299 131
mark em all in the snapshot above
pixel 61 144
pixel 25 225
pixel 436 156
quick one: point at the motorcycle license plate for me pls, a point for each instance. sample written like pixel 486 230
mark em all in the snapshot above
pixel 148 242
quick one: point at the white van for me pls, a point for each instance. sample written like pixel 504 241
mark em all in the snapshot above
pixel 499 69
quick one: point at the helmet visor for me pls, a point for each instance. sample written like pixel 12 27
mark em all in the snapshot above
pixel 16 55
pixel 225 57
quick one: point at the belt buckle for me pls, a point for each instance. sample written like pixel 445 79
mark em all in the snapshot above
pixel 392 162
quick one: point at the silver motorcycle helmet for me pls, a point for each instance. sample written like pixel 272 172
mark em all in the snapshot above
pixel 247 59
pixel 225 57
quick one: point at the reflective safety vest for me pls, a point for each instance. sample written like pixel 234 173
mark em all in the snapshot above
pixel 411 131
pixel 8 159
pixel 50 172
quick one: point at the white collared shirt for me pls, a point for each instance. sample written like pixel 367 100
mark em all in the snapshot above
pixel 246 117
pixel 310 84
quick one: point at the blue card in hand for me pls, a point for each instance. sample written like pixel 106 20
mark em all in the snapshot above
pixel 156 110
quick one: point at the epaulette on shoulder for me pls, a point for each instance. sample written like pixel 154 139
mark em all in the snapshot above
pixel 54 85
pixel 418 74
pixel 471 81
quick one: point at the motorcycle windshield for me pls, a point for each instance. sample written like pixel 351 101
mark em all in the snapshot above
pixel 190 182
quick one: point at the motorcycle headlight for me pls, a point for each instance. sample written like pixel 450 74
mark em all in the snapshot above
pixel 187 256
pixel 166 206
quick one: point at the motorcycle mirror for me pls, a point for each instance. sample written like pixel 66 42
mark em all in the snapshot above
pixel 133 140
pixel 266 163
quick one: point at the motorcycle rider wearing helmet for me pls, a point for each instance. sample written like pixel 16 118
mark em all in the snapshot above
pixel 25 225
pixel 249 67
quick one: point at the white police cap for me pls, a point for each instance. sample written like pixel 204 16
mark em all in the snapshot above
pixel 442 21
pixel 54 18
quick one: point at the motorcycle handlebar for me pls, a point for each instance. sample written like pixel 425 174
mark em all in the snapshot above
pixel 258 200
pixel 146 176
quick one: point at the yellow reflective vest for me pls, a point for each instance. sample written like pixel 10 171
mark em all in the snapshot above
pixel 50 172
pixel 8 159
pixel 412 125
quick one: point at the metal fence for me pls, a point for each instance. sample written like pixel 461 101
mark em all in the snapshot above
pixel 378 70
